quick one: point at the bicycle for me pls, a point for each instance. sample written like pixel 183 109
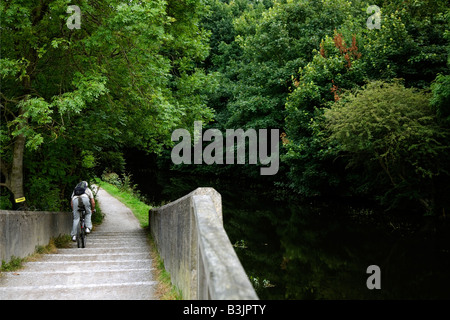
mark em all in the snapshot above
pixel 81 229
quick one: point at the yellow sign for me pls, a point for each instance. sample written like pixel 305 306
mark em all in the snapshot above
pixel 20 199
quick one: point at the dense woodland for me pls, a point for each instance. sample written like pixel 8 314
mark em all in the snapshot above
pixel 364 113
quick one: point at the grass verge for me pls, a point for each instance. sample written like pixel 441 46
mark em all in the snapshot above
pixel 164 290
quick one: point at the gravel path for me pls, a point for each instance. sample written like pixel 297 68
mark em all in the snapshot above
pixel 116 264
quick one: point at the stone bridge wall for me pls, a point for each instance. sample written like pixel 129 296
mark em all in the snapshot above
pixel 196 250
pixel 22 231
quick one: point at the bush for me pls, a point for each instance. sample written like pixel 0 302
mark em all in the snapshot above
pixel 124 184
pixel 5 203
pixel 44 195
pixel 112 178
pixel 389 128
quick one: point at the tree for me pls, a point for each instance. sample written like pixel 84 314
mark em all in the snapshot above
pixel 275 43
pixel 336 66
pixel 385 126
pixel 128 72
pixel 410 44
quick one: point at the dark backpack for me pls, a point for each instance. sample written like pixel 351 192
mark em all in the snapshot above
pixel 79 189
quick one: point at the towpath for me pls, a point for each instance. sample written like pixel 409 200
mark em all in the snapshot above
pixel 116 264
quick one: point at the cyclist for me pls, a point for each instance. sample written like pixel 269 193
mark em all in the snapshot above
pixel 85 194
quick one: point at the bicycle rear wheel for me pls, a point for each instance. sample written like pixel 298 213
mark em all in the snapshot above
pixel 79 244
pixel 81 234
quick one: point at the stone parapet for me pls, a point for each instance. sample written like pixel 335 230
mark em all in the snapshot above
pixel 196 250
pixel 22 231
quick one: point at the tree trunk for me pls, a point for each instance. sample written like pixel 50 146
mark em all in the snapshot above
pixel 16 175
pixel 13 172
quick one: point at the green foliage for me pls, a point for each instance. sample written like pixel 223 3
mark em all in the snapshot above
pixel 345 59
pixel 123 184
pixel 441 97
pixel 43 194
pixel 385 126
pixel 129 76
pixel 14 264
pixel 112 178
pixel 311 160
pixel 384 122
pixel 5 203
pixel 275 43
pixel 136 71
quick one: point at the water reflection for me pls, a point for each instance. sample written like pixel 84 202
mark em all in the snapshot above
pixel 320 252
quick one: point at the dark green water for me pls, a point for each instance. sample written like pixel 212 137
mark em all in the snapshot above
pixel 294 250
